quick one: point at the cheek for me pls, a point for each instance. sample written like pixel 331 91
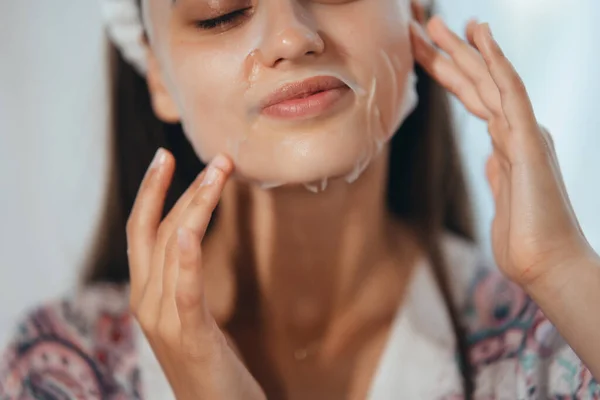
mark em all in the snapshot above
pixel 202 80
pixel 204 88
pixel 377 48
pixel 394 87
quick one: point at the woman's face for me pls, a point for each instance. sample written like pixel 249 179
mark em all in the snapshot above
pixel 295 91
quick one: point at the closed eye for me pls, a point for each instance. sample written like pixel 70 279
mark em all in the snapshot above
pixel 224 21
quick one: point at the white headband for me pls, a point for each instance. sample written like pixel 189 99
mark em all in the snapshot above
pixel 125 29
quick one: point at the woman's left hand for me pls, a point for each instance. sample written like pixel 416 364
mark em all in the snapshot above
pixel 535 232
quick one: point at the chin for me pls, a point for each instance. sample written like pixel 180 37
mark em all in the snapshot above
pixel 308 160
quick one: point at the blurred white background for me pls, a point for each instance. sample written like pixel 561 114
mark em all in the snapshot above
pixel 53 124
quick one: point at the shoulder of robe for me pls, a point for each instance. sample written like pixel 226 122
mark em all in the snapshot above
pixel 488 303
pixel 78 346
pixel 514 349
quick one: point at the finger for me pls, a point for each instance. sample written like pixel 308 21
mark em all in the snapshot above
pixel 492 172
pixel 189 296
pixel 498 130
pixel 168 224
pixel 196 218
pixel 185 307
pixel 516 105
pixel 170 221
pixel 198 213
pixel 152 292
pixel 446 73
pixel 470 31
pixel 145 218
pixel 469 61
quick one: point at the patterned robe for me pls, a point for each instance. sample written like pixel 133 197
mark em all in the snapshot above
pixel 88 346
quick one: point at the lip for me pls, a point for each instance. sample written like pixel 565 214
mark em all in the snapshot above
pixel 306 98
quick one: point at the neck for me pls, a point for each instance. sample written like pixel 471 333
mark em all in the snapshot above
pixel 312 253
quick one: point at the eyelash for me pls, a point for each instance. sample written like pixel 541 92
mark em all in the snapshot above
pixel 223 21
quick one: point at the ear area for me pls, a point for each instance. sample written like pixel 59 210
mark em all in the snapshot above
pixel 162 103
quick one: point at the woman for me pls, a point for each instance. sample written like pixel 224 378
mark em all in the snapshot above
pixel 370 287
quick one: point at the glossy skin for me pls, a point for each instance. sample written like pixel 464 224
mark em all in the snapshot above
pixel 536 238
pixel 200 69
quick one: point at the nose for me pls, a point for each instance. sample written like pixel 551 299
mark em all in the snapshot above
pixel 290 34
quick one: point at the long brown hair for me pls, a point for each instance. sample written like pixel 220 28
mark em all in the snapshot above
pixel 426 186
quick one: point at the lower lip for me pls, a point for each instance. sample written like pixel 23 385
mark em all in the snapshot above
pixel 308 106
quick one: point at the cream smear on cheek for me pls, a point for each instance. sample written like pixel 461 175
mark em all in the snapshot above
pixel 218 89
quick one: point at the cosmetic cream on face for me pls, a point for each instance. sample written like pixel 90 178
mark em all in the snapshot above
pixel 296 92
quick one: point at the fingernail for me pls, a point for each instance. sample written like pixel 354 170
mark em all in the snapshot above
pixel 421 32
pixel 159 158
pixel 219 165
pixel 221 162
pixel 486 26
pixel 494 43
pixel 211 176
pixel 183 239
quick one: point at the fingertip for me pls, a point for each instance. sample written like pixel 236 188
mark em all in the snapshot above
pixel 487 40
pixel 222 162
pixel 159 173
pixel 485 33
pixel 494 45
pixel 486 29
pixel 147 208
pixel 470 29
pixel 430 26
pixel 480 40
pixel 162 158
pixel 419 34
pixel 435 20
pixel 159 158
pixel 436 25
pixel 170 159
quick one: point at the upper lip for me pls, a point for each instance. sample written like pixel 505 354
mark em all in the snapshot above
pixel 305 88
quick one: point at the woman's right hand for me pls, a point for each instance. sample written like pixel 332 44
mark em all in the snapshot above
pixel 167 288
